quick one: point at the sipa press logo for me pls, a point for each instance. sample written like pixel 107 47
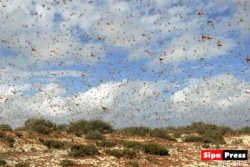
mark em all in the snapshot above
pixel 224 154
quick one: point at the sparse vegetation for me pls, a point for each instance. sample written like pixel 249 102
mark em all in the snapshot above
pixel 83 150
pixel 120 144
pixel 193 138
pixel 244 130
pixel 33 149
pixel 155 149
pixel 136 131
pixel 78 127
pixel 62 127
pixel 215 137
pixel 54 144
pixel 2 162
pixel 177 134
pixel 40 126
pixel 101 126
pixel 105 144
pixel 5 127
pixel 119 153
pixel 133 145
pixel 94 135
pixel 66 163
pixel 205 145
pixel 22 165
pixel 161 133
pixel 203 128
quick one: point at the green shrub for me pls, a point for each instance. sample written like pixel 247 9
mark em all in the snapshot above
pixel 2 162
pixel 118 153
pixel 193 138
pixel 78 127
pixel 202 128
pixel 83 150
pixel 177 134
pixel 5 127
pixel 54 144
pixel 161 133
pixel 135 131
pixel 155 149
pixel 205 146
pixel 94 135
pixel 213 137
pixel 40 126
pixel 105 144
pixel 33 149
pixel 67 163
pixel 101 126
pixel 133 145
pixel 61 128
pixel 22 165
pixel 244 130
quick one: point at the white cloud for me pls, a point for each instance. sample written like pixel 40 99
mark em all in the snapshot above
pixel 120 23
pixel 190 47
pixel 221 99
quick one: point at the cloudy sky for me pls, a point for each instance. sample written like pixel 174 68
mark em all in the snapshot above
pixel 142 62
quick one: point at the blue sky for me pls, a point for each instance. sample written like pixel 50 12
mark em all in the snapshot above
pixel 142 60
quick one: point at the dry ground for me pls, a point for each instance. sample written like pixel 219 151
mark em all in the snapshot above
pixel 181 153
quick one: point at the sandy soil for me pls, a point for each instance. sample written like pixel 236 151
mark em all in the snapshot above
pixel 181 153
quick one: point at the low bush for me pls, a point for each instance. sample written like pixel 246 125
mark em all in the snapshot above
pixel 61 128
pixel 202 128
pixel 54 144
pixel 133 145
pixel 22 165
pixel 33 149
pixel 244 130
pixel 78 127
pixel 177 134
pixel 2 162
pixel 213 137
pixel 83 150
pixel 136 131
pixel 94 135
pixel 105 144
pixel 205 145
pixel 67 163
pixel 99 125
pixel 40 126
pixel 119 153
pixel 155 149
pixel 193 138
pixel 161 133
pixel 5 127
